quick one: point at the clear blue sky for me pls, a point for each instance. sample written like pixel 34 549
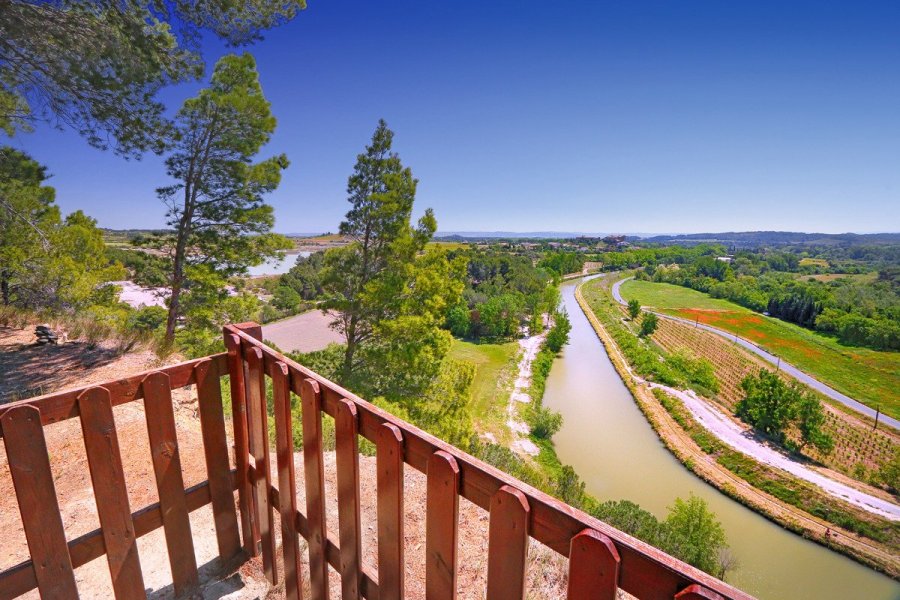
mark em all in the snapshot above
pixel 569 116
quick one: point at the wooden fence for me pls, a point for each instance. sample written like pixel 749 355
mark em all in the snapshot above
pixel 601 558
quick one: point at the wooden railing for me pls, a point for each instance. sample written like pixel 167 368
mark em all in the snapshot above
pixel 601 558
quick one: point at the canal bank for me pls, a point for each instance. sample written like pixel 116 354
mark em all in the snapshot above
pixel 617 454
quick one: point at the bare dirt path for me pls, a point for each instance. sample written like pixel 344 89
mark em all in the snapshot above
pixel 530 347
pixel 305 332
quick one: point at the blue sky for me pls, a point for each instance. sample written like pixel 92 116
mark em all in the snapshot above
pixel 568 116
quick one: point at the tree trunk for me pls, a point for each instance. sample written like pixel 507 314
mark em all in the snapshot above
pixel 347 369
pixel 4 287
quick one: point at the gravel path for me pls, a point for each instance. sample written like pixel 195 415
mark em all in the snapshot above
pixel 771 358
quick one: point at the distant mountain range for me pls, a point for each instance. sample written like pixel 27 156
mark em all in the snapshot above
pixel 732 238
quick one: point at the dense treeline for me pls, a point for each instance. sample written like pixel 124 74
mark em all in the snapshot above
pixel 562 263
pixel 859 311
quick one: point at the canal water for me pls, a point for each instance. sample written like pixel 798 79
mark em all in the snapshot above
pixel 608 441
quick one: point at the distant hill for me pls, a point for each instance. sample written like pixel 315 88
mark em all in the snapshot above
pixel 777 238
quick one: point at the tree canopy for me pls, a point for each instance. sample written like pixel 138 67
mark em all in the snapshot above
pixel 96 66
pixel 216 209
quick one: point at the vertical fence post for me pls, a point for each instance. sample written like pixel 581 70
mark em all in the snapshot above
pixel 215 450
pixel 347 460
pixel 287 489
pixel 258 426
pixel 314 469
pixel 593 567
pixel 441 526
pixel 241 448
pixel 389 465
pixel 29 466
pixel 508 544
pixel 169 482
pixel 101 445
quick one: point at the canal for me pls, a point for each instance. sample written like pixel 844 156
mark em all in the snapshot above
pixel 612 447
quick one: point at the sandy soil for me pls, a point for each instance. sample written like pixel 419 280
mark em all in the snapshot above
pixel 530 346
pixel 27 369
pixel 137 296
pixel 303 333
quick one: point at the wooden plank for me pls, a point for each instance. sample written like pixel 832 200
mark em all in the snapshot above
pixel 29 466
pixel 508 544
pixel 241 444
pixel 314 469
pixel 441 527
pixel 19 579
pixel 593 567
pixel 697 592
pixel 108 478
pixel 391 538
pixel 169 482
pixel 258 425
pixel 64 405
pixel 287 501
pixel 646 572
pixel 350 531
pixel 215 448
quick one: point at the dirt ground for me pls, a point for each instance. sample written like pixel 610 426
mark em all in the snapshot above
pixel 305 332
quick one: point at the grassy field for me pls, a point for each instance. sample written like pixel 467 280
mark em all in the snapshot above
pixel 495 366
pixel 869 376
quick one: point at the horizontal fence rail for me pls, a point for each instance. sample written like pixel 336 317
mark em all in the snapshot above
pixel 601 558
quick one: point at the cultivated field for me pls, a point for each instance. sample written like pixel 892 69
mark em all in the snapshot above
pixel 859 450
pixel 870 376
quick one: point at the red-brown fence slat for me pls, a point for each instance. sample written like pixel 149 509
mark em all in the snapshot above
pixel 314 468
pixel 249 528
pixel 391 538
pixel 441 526
pixel 508 544
pixel 29 466
pixel 169 482
pixel 349 529
pixel 697 592
pixel 215 448
pixel 287 497
pixel 101 445
pixel 258 424
pixel 593 567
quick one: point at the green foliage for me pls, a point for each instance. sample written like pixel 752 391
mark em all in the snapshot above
pixel 305 276
pixel 219 220
pixel 501 316
pixel 458 321
pixel 145 269
pixel 147 319
pixel 544 423
pixel 889 473
pixel 558 335
pixel 286 298
pixel 97 66
pixel 649 324
pixel 390 293
pixel 699 371
pixel 634 309
pixel 562 263
pixel 770 405
pixel 694 534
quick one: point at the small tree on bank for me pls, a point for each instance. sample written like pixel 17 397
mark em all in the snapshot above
pixel 770 405
pixel 649 324
pixel 634 309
